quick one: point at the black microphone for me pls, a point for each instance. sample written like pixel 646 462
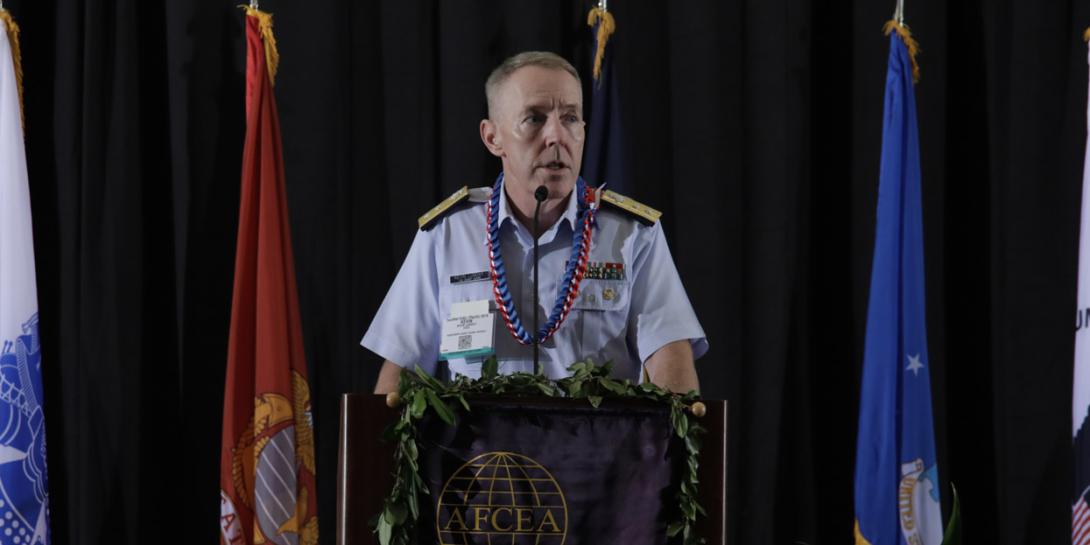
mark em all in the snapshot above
pixel 540 194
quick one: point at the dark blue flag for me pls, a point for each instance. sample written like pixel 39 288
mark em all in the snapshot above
pixel 896 474
pixel 603 158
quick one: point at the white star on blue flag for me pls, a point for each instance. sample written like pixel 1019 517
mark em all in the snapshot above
pixel 914 365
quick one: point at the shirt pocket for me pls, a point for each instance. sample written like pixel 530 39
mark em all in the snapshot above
pixel 461 293
pixel 602 310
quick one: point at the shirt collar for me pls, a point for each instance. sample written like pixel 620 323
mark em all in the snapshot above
pixel 571 213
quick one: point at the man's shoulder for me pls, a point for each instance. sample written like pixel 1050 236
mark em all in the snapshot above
pixel 463 199
pixel 619 206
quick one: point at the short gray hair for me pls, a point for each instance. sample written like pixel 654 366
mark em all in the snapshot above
pixel 544 59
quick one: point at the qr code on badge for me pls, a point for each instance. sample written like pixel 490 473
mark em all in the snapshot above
pixel 464 342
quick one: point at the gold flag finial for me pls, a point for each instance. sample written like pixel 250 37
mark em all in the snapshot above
pixel 264 22
pixel 16 56
pixel 600 16
pixel 893 25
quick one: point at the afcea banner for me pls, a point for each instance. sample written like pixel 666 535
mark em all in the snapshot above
pixel 548 475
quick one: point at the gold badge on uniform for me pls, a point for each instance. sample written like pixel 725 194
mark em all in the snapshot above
pixel 608 294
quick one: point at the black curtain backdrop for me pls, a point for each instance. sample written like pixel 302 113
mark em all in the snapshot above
pixel 753 124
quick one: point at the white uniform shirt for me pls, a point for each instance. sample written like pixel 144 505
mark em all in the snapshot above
pixel 620 320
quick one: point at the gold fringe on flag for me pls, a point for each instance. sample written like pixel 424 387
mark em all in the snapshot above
pixel 272 56
pixel 1086 35
pixel 16 57
pixel 607 26
pixel 859 539
pixel 906 36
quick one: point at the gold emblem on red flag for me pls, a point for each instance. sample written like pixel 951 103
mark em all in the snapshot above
pixel 275 416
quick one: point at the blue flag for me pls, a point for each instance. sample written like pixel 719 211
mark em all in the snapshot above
pixel 896 474
pixel 603 157
pixel 24 498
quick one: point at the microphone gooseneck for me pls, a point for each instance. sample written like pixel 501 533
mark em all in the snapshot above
pixel 540 194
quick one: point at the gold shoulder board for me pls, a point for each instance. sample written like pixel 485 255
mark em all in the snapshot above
pixel 426 220
pixel 642 212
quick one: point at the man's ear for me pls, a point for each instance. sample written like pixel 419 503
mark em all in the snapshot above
pixel 491 137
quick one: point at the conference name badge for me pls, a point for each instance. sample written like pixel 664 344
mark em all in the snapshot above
pixel 469 332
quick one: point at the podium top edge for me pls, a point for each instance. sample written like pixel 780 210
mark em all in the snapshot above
pixel 535 401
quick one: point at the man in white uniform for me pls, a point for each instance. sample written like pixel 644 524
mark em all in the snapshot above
pixel 618 298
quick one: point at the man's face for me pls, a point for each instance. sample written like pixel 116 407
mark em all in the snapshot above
pixel 537 130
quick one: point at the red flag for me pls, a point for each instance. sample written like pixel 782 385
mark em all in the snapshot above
pixel 267 456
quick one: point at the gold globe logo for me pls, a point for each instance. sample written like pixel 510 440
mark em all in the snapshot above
pixel 502 495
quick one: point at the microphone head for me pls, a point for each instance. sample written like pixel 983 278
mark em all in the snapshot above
pixel 541 193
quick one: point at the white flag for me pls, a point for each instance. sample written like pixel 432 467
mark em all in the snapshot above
pixel 1080 513
pixel 22 427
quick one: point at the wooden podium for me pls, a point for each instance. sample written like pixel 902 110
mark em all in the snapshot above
pixel 364 465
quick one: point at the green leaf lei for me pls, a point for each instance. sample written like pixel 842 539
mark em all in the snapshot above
pixel 420 392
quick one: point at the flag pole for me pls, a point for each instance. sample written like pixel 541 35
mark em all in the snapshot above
pixel 899 12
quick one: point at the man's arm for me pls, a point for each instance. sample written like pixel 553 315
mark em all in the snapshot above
pixel 413 299
pixel 389 377
pixel 660 313
pixel 672 368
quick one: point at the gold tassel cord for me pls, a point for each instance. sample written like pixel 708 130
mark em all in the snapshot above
pixel 16 57
pixel 913 47
pixel 606 26
pixel 265 24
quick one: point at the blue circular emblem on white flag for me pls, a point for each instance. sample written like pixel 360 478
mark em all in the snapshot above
pixel 23 491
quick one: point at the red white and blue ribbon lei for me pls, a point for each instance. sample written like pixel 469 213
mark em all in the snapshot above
pixel 573 272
